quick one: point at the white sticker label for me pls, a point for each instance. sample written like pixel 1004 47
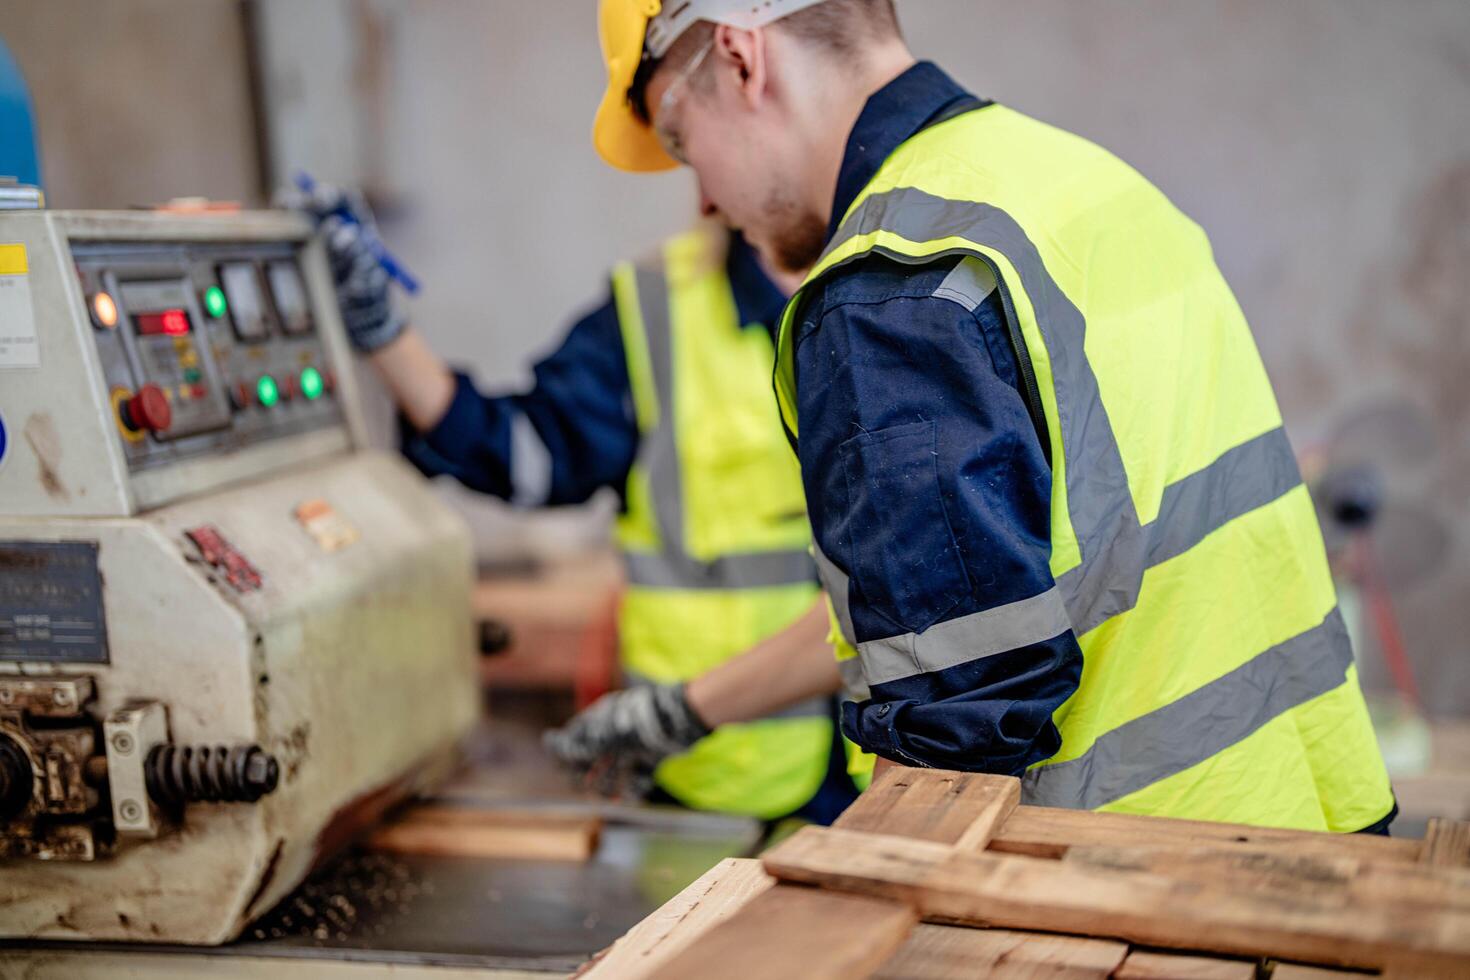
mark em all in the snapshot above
pixel 18 345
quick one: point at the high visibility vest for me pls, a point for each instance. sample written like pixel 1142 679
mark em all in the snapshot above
pixel 1218 680
pixel 715 535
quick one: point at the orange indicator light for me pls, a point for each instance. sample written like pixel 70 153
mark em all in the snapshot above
pixel 104 309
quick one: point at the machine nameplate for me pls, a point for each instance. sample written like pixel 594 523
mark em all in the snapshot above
pixel 51 602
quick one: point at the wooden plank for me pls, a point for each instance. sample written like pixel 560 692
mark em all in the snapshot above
pixel 958 953
pixel 1143 907
pixel 1296 971
pixel 1050 832
pixel 680 921
pixel 1143 965
pixel 452 831
pixel 1310 875
pixel 795 932
pixel 934 805
pixel 1447 843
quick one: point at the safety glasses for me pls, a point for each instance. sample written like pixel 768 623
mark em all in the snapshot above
pixel 662 128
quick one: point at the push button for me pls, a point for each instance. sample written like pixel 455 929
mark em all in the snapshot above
pixel 147 411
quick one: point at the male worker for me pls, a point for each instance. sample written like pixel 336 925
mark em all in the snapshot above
pixel 1062 529
pixel 662 393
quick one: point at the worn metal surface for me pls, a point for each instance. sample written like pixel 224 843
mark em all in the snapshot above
pixel 351 668
pixel 474 915
pixel 66 457
pixel 49 741
pixel 354 667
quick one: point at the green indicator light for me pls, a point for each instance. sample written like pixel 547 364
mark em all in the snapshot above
pixel 214 302
pixel 311 383
pixel 266 391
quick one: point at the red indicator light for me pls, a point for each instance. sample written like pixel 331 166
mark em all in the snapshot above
pixel 172 323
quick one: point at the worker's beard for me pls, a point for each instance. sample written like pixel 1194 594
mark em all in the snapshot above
pixel 799 234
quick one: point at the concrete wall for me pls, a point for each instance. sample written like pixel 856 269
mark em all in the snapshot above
pixel 137 102
pixel 1324 144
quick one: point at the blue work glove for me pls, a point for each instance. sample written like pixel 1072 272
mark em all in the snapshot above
pixel 368 312
pixel 628 732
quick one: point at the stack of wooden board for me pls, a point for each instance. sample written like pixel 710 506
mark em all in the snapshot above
pixel 941 875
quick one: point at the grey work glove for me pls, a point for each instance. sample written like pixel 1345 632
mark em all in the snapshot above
pixel 629 731
pixel 350 233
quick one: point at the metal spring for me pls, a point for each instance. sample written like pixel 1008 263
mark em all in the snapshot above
pixel 179 774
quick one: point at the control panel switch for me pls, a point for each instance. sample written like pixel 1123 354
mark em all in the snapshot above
pixel 146 411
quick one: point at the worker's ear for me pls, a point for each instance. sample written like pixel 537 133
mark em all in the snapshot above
pixel 740 56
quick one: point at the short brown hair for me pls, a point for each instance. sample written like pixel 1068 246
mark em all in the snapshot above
pixel 842 26
pixel 839 26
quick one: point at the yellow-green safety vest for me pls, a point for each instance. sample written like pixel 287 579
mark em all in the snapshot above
pixel 715 535
pixel 1218 681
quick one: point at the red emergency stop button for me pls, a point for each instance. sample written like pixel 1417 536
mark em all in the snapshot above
pixel 146 411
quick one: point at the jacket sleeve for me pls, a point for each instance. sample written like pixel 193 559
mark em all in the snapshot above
pixel 573 432
pixel 928 488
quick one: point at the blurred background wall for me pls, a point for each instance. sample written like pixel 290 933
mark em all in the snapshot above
pixel 1324 144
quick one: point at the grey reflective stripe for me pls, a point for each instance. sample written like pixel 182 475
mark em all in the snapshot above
pixel 1115 547
pixel 967 284
pixel 1199 725
pixel 818 707
pixel 530 464
pixel 834 581
pixel 966 639
pixel 1243 479
pixel 752 570
pixel 658 452
pixel 854 681
pixel 1101 507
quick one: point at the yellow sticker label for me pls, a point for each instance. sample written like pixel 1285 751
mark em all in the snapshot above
pixel 13 260
pixel 19 344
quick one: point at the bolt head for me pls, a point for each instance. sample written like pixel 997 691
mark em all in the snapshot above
pixel 262 772
pixel 61 697
pixel 122 743
pixel 130 810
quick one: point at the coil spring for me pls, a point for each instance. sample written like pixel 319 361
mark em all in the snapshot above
pixel 179 774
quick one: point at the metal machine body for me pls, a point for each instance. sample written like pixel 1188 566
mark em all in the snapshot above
pixel 228 631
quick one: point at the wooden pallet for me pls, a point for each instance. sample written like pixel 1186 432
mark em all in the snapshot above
pixel 934 875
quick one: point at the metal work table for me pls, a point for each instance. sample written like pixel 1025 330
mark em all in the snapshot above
pixel 367 914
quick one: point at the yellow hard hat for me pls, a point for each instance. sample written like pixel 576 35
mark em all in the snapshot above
pixel 621 138
pixel 629 28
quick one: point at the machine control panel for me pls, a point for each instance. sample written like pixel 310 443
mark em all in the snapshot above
pixel 205 347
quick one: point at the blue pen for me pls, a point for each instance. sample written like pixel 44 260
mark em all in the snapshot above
pixel 385 258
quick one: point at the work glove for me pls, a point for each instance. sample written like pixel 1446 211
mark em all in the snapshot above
pixel 350 232
pixel 626 734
